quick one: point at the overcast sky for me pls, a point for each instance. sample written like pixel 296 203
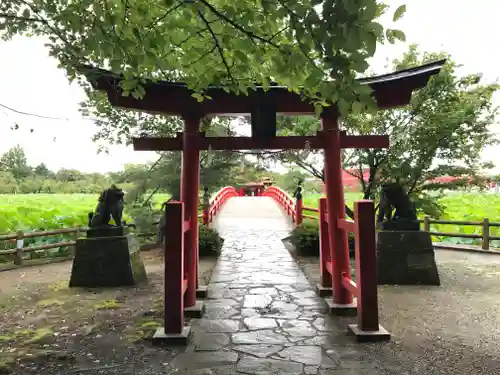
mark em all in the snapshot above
pixel 31 82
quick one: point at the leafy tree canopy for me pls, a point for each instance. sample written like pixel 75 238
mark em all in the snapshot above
pixel 235 44
pixel 441 133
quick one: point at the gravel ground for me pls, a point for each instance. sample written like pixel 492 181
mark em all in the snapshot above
pixel 47 328
pixel 451 329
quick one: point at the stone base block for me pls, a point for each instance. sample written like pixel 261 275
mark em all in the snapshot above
pixel 406 258
pixel 202 291
pixel 196 311
pixel 107 262
pixel 107 231
pixel 350 309
pixel 369 336
pixel 162 338
pixel 323 291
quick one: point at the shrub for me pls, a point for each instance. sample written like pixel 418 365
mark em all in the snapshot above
pixel 209 241
pixel 305 239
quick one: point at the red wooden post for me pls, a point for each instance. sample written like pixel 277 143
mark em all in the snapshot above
pixel 366 265
pixel 205 217
pixel 324 246
pixel 335 206
pixel 242 192
pixel 174 268
pixel 189 195
pixel 298 209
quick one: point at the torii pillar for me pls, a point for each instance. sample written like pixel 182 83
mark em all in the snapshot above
pixel 342 302
pixel 190 181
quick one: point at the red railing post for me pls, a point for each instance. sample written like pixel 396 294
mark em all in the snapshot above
pixel 242 192
pixel 324 247
pixel 366 265
pixel 174 269
pixel 298 209
pixel 205 218
pixel 206 207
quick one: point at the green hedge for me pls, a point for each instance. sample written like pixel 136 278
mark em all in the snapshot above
pixel 209 241
pixel 305 239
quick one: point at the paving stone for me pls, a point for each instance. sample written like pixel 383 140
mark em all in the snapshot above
pixel 221 313
pixel 284 306
pixel 311 370
pixel 262 315
pixel 297 328
pixel 256 301
pixel 215 326
pixel 220 303
pixel 266 291
pixel 258 337
pixel 261 351
pixel 203 360
pixel 303 294
pixel 322 324
pixel 210 341
pixel 308 355
pixel 307 302
pixel 320 339
pixel 250 313
pixel 260 323
pixel 266 366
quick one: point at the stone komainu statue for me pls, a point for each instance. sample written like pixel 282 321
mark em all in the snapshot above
pixel 110 205
pixel 393 197
pixel 297 194
pixel 162 225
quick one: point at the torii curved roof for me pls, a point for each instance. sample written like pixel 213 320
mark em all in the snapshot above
pixel 174 98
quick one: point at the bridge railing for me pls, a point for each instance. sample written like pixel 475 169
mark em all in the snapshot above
pixel 177 284
pixel 335 274
pixel 288 204
pixel 215 205
pixel 364 289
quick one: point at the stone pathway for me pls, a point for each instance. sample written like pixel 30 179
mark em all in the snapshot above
pixel 262 316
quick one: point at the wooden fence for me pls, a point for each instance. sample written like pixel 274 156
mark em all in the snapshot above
pixel 20 237
pixel 485 225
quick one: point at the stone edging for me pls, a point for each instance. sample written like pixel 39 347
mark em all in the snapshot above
pixel 465 248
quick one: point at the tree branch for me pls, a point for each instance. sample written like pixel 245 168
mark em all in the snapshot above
pixel 249 34
pixel 217 45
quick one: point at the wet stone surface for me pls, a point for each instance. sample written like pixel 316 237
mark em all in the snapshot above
pixel 261 315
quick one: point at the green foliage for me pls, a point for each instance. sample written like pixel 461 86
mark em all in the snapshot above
pixel 14 161
pixel 16 176
pixel 455 206
pixel 305 238
pixel 51 211
pixel 299 43
pixel 209 241
pixel 441 133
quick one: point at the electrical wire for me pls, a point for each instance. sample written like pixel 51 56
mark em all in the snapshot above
pixel 44 117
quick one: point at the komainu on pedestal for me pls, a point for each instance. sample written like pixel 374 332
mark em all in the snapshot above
pixel 109 256
pixel 405 255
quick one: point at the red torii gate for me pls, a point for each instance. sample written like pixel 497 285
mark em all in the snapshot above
pixel 175 99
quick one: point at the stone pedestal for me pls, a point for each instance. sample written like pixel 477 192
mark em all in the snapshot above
pixel 109 261
pixel 406 258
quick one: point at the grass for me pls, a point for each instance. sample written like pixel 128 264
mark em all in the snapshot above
pixel 49 211
pixel 458 207
pixel 29 212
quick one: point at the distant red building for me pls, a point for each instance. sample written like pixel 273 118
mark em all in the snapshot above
pixel 352 183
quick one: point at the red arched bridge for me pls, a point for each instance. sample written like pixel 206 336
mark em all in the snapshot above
pixel 272 213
